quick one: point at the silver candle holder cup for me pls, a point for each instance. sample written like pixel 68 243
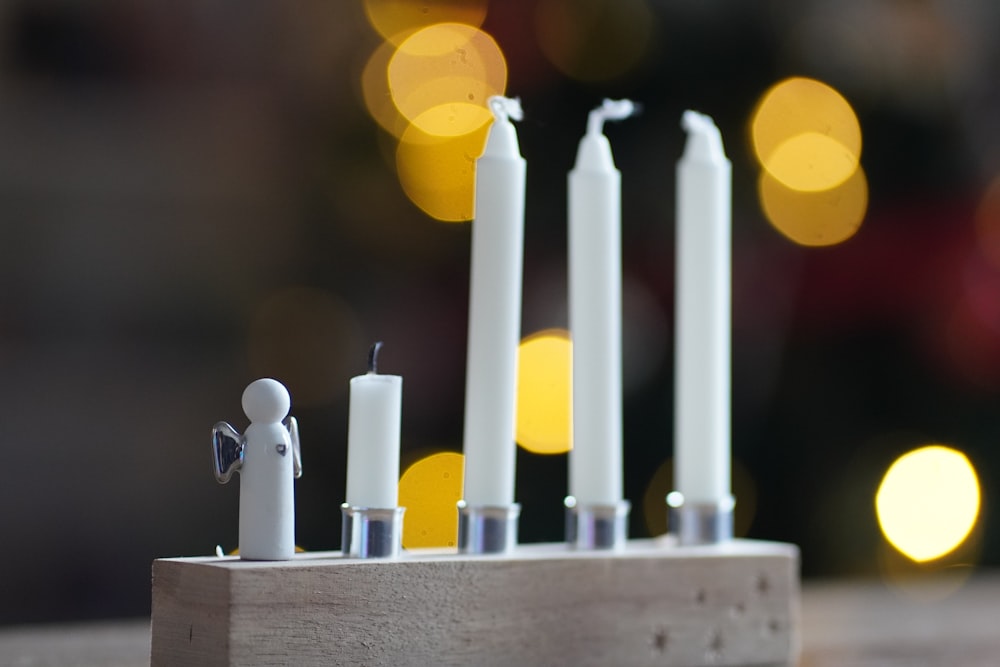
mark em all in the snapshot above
pixel 695 523
pixel 487 529
pixel 596 527
pixel 371 532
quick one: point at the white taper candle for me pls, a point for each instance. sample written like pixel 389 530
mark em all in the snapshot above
pixel 494 313
pixel 702 381
pixel 595 313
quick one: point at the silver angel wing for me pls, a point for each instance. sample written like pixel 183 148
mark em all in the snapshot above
pixel 292 424
pixel 227 451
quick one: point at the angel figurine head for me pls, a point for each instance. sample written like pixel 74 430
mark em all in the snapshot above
pixel 268 458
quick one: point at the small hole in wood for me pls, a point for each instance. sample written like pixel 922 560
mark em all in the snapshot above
pixel 715 645
pixel 761 585
pixel 737 610
pixel 660 641
pixel 772 627
pixel 700 596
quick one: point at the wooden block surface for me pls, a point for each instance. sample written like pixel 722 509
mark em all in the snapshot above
pixel 652 604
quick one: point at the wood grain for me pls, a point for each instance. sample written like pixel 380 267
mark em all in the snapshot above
pixel 652 604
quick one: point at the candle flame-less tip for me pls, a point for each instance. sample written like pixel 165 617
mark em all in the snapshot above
pixel 693 121
pixel 506 108
pixel 373 356
pixel 704 139
pixel 610 110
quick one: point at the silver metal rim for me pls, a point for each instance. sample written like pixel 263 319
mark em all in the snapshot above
pixel 487 529
pixel 372 532
pixel 597 527
pixel 700 523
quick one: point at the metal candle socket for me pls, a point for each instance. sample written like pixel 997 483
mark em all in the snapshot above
pixel 371 532
pixel 487 529
pixel 596 527
pixel 700 523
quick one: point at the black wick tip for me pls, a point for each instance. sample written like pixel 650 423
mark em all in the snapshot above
pixel 373 357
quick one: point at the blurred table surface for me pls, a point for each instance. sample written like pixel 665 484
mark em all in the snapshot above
pixel 844 623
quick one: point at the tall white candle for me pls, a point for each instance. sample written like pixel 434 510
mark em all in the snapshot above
pixel 494 313
pixel 373 438
pixel 702 387
pixel 595 313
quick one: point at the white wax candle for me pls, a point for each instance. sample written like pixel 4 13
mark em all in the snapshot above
pixel 494 313
pixel 373 438
pixel 267 488
pixel 595 314
pixel 702 381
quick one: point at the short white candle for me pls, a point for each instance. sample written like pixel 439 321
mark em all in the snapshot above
pixel 373 438
pixel 595 313
pixel 494 313
pixel 702 381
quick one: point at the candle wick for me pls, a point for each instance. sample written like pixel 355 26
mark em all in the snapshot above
pixel 506 108
pixel 373 357
pixel 610 110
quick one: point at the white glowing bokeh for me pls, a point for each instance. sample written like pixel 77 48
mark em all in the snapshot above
pixel 928 502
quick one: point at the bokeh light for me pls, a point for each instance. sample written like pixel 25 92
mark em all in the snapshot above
pixel 310 340
pixel 811 162
pixel 397 19
pixel 430 93
pixel 375 91
pixel 928 502
pixel 438 173
pixel 815 218
pixel 806 135
pixel 544 392
pixel 430 490
pixel 446 64
pixel 453 119
pixel 594 40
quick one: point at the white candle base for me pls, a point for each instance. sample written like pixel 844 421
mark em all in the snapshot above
pixel 370 532
pixel 596 527
pixel 702 522
pixel 487 529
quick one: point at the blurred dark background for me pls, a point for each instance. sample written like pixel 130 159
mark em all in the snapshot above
pixel 193 195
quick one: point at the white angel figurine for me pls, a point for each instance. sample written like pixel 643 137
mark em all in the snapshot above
pixel 269 459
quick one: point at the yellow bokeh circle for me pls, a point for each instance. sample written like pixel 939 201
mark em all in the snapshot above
pixel 815 218
pixel 375 91
pixel 806 135
pixel 445 64
pixel 438 173
pixel 544 392
pixel 430 490
pixel 928 502
pixel 397 19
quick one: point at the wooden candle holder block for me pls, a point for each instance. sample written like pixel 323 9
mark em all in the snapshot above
pixel 650 604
